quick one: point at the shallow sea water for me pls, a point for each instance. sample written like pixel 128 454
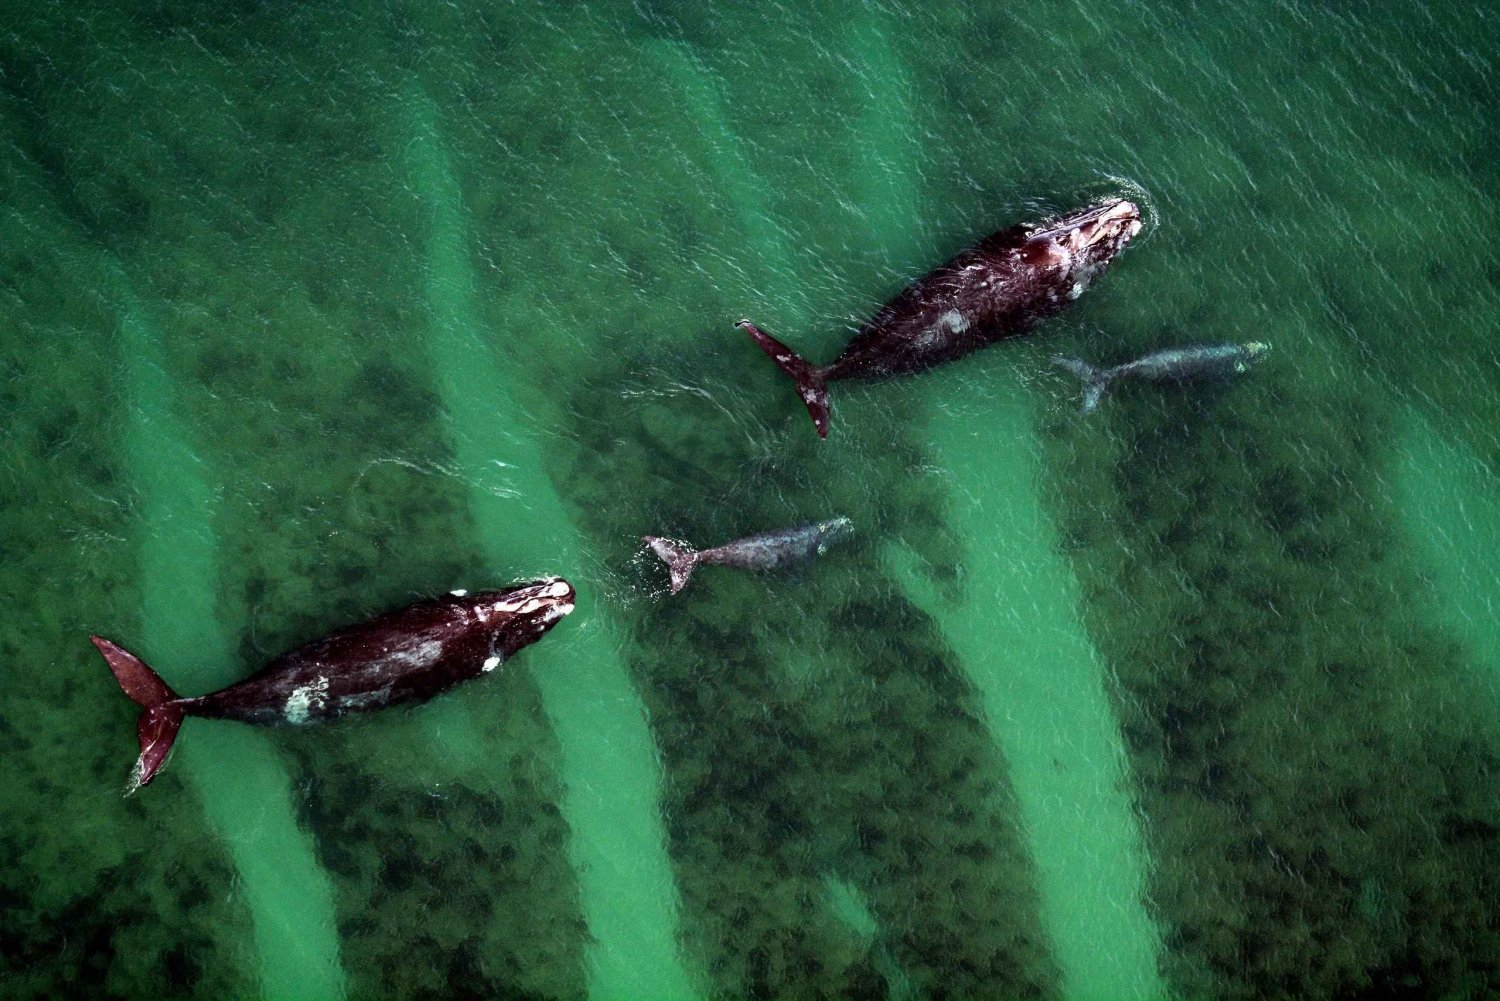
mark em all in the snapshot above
pixel 308 311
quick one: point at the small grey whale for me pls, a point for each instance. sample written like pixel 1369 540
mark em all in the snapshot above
pixel 998 288
pixel 407 655
pixel 763 551
pixel 1199 361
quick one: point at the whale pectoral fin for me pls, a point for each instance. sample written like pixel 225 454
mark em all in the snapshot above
pixel 811 385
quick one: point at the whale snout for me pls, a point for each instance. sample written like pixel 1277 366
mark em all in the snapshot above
pixel 1114 226
pixel 545 601
pixel 1093 235
pixel 560 599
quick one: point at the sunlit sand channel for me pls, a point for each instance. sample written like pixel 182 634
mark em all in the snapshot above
pixel 611 799
pixel 772 256
pixel 1450 511
pixel 1042 686
pixel 235 769
pixel 1043 693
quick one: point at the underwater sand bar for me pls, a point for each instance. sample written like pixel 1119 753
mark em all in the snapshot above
pixel 1449 504
pixel 771 259
pixel 887 183
pixel 1081 834
pixel 612 787
pixel 698 87
pixel 1042 686
pixel 235 769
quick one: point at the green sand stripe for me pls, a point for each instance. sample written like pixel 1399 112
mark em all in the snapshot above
pixel 1018 634
pixel 886 185
pixel 235 769
pixel 1450 508
pixel 611 797
pixel 1043 694
pixel 772 258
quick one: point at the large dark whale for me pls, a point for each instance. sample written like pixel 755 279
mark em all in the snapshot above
pixel 407 655
pixel 1185 364
pixel 763 551
pixel 998 288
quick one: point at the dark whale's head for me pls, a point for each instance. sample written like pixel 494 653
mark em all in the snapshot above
pixel 1079 245
pixel 533 609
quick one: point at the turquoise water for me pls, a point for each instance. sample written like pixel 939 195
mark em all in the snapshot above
pixel 310 311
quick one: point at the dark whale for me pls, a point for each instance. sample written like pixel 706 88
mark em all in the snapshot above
pixel 996 289
pixel 406 655
pixel 764 551
pixel 1199 361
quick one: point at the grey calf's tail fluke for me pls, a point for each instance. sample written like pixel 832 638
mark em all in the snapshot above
pixel 811 385
pixel 158 725
pixel 1095 380
pixel 679 558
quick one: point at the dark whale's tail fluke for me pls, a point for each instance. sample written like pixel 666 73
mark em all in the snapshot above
pixel 158 725
pixel 679 558
pixel 1095 380
pixel 810 384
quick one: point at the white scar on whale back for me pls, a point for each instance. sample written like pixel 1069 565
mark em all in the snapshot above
pixel 305 698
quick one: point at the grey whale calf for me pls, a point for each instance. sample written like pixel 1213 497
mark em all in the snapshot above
pixel 762 551
pixel 1184 364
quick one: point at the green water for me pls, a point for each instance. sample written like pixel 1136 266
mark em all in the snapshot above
pixel 309 311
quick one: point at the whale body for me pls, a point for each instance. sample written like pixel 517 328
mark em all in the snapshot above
pixel 762 551
pixel 1182 364
pixel 406 655
pixel 998 288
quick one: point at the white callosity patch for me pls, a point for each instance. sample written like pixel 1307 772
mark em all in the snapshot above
pixel 1058 255
pixel 1083 277
pixel 954 321
pixel 460 593
pixel 490 663
pixel 530 599
pixel 305 700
